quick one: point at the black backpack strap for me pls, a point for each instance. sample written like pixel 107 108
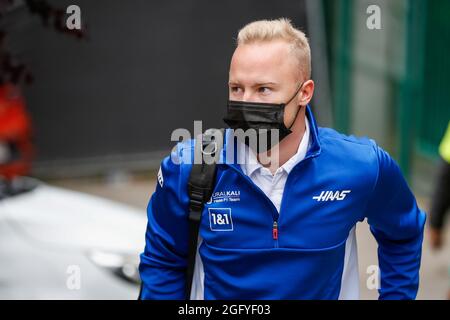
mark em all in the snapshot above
pixel 200 187
pixel 140 291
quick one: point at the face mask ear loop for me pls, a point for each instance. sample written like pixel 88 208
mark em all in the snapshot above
pixel 295 94
pixel 298 110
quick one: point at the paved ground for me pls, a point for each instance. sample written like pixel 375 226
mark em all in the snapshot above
pixel 434 275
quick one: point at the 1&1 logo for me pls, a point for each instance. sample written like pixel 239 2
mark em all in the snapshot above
pixel 220 219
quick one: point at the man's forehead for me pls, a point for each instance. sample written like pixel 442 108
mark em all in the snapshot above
pixel 262 62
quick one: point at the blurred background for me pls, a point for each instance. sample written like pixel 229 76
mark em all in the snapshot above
pixel 89 114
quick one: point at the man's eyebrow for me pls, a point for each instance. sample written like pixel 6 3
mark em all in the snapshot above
pixel 255 85
pixel 265 83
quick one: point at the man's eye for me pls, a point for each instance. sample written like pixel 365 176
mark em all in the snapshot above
pixel 235 89
pixel 264 90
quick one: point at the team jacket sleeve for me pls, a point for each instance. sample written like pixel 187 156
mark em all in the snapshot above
pixel 397 224
pixel 163 262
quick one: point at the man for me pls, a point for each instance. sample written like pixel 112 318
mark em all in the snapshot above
pixel 282 228
pixel 440 201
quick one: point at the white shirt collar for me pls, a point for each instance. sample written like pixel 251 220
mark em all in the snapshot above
pixel 251 164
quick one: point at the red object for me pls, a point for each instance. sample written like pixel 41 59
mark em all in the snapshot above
pixel 15 132
pixel 275 230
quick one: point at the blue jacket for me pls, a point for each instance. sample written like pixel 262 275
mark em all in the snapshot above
pixel 342 180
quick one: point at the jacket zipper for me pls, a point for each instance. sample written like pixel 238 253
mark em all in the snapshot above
pixel 276 221
pixel 274 217
pixel 275 233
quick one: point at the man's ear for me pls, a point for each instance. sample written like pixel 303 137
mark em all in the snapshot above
pixel 306 93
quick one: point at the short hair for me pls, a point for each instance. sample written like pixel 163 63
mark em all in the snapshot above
pixel 279 29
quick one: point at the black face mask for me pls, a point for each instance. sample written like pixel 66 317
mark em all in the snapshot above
pixel 263 118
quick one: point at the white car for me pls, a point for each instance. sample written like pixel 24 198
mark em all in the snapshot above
pixel 61 244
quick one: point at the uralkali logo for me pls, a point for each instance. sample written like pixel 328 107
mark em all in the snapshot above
pixel 332 195
pixel 225 196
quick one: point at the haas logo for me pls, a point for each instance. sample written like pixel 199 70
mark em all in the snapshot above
pixel 332 195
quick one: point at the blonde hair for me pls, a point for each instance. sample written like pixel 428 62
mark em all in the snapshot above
pixel 279 29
